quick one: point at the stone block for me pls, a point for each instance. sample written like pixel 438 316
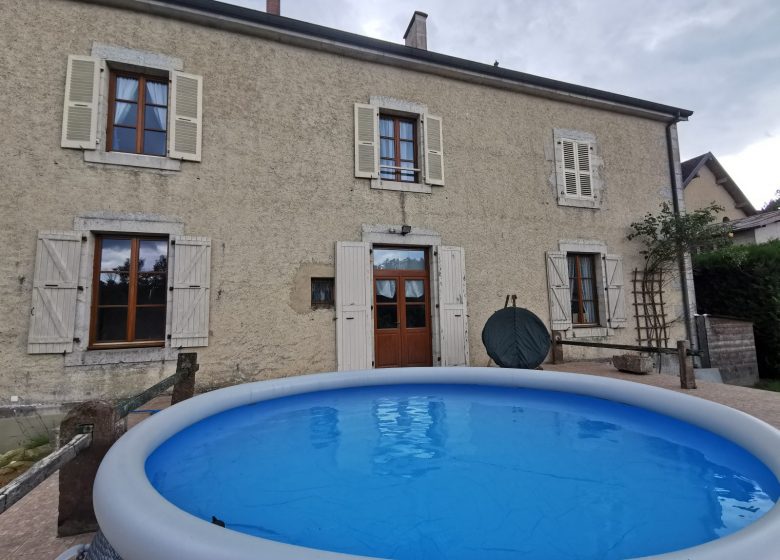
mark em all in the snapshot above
pixel 633 363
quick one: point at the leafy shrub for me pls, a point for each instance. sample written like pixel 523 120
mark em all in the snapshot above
pixel 743 281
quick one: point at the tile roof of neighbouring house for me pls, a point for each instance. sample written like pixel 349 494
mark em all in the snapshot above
pixel 756 221
pixel 690 170
pixel 220 14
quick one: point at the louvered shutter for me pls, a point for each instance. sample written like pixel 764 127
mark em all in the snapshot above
pixel 366 141
pixel 190 283
pixel 616 299
pixel 583 169
pixel 354 325
pixel 79 116
pixel 186 119
pixel 453 321
pixel 434 151
pixel 576 169
pixel 569 165
pixel 55 287
pixel 559 291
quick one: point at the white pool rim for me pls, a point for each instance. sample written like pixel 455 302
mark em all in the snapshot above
pixel 142 525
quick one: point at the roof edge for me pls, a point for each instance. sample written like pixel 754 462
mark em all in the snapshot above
pixel 240 19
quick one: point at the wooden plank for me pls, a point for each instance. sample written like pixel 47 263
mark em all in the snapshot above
pixel 40 471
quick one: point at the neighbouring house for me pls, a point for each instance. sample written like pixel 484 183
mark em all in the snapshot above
pixel 285 198
pixel 706 181
pixel 759 228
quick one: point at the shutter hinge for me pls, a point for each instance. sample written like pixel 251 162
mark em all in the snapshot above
pixel 83 238
pixel 438 359
pixel 370 251
pixel 170 289
pixel 437 306
pixel 372 308
pixel 80 288
pixel 372 362
pixel 77 340
pixel 168 337
pixel 173 242
pixel 435 253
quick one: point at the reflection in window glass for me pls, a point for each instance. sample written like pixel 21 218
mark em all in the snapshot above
pixel 415 316
pixel 114 289
pixel 399 259
pixel 415 290
pixel 387 317
pixel 115 255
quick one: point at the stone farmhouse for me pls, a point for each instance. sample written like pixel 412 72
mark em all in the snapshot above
pixel 285 198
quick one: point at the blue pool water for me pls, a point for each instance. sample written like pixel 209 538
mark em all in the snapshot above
pixel 463 471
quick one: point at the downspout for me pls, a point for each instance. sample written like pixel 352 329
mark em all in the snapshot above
pixel 689 334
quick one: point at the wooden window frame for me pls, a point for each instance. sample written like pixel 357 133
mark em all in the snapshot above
pixel 396 138
pixel 140 125
pixel 578 287
pixel 132 304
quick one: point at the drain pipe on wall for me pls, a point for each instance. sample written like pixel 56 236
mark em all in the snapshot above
pixel 690 329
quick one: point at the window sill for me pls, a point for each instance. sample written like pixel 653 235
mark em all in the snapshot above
pixel 132 160
pixel 593 203
pixel 588 332
pixel 399 186
pixel 120 356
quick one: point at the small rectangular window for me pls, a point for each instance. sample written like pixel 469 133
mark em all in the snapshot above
pixel 129 291
pixel 582 283
pixel 321 292
pixel 137 114
pixel 398 148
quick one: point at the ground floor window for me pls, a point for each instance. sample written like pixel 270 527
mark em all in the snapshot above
pixel 129 291
pixel 582 284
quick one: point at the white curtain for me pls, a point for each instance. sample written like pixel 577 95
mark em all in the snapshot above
pixel 126 88
pixel 157 94
pixel 386 288
pixel 414 289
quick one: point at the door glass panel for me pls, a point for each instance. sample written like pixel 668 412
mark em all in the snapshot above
pixel 399 259
pixel 115 254
pixel 415 290
pixel 415 316
pixel 386 317
pixel 385 291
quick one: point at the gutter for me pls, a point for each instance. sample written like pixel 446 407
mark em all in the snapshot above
pixel 677 192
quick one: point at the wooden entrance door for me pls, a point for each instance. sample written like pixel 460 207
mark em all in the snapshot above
pixel 402 307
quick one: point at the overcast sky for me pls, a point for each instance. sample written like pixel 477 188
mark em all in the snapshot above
pixel 719 58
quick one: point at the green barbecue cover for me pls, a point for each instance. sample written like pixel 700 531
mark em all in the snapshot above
pixel 516 338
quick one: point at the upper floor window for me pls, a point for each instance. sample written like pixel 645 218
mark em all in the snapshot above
pixel 577 169
pixel 582 284
pixel 129 296
pixel 137 114
pixel 398 149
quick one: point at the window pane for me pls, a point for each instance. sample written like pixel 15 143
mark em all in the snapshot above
pixel 587 289
pixel 415 316
pixel 156 117
pixel 399 259
pixel 407 176
pixel 153 255
pixel 151 289
pixel 586 266
pixel 407 151
pixel 415 290
pixel 115 254
pixel 385 291
pixel 386 317
pixel 111 324
pixel 322 292
pixel 157 93
pixel 407 130
pixel 572 262
pixel 125 113
pixel 150 323
pixel 386 127
pixel 590 312
pixel 154 143
pixel 126 88
pixel 123 139
pixel 387 150
pixel 113 289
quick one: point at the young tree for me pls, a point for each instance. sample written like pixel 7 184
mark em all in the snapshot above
pixel 773 204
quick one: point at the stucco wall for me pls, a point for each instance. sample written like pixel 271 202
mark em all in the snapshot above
pixel 704 189
pixel 276 189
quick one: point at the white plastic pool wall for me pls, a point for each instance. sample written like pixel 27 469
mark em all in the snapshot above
pixel 142 525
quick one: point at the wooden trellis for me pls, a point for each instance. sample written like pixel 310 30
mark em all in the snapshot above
pixel 649 310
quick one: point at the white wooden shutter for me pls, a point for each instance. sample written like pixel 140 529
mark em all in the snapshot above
pixel 190 283
pixel 354 325
pixel 55 286
pixel 559 291
pixel 366 141
pixel 576 168
pixel 434 151
pixel 186 118
pixel 453 321
pixel 616 299
pixel 79 116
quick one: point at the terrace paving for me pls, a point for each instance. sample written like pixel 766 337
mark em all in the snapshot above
pixel 28 529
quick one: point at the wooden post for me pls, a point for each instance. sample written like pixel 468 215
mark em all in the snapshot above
pixel 687 378
pixel 77 477
pixel 184 388
pixel 557 347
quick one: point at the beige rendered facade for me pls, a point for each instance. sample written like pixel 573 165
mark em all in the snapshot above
pixel 704 189
pixel 277 186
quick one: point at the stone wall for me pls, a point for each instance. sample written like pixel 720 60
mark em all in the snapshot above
pixel 728 344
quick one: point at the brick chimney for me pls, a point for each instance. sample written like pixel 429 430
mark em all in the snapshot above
pixel 273 7
pixel 416 34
